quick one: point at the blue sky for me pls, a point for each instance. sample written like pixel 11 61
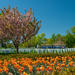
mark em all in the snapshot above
pixel 57 15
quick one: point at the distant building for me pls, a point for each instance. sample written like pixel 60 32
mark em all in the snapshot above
pixel 58 44
pixel 46 46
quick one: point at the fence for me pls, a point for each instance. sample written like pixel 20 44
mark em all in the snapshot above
pixel 37 50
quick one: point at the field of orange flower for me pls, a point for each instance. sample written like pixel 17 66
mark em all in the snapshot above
pixel 40 66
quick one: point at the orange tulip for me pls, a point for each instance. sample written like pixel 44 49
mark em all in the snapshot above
pixel 24 73
pixel 62 65
pixel 24 64
pixel 0 70
pixel 22 68
pixel 51 69
pixel 45 69
pixel 30 68
pixel 0 61
pixel 52 65
pixel 58 64
pixel 41 68
pixel 58 68
pixel 5 69
pixel 66 65
pixel 38 69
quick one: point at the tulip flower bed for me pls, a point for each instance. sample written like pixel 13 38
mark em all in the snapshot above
pixel 39 66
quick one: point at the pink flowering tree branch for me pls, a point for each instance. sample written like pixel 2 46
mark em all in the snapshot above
pixel 17 27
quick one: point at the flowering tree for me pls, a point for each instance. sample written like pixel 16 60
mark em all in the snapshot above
pixel 17 27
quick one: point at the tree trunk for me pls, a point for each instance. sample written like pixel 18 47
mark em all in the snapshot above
pixel 17 47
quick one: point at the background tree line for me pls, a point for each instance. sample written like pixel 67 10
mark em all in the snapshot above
pixel 39 39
